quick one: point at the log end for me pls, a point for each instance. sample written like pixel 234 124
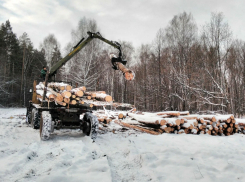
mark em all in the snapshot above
pixel 79 93
pixel 129 75
pixel 68 87
pixel 108 98
pixel 120 116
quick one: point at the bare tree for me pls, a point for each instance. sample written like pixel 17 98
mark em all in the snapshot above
pixel 48 46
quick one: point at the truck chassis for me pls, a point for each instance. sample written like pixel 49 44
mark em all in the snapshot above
pixel 49 117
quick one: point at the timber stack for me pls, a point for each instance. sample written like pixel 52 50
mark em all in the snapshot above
pixel 182 122
pixel 65 95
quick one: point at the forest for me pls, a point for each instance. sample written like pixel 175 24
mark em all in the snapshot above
pixel 185 67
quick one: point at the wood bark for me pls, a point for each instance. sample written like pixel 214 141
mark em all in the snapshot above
pixel 128 74
pixel 136 127
pixel 170 113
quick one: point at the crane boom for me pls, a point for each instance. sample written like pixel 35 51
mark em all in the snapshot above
pixel 80 46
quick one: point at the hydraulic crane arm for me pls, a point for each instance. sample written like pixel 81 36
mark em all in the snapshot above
pixel 81 44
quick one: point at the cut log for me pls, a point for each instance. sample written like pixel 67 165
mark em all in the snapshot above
pixel 103 97
pixel 224 118
pixel 58 96
pixel 66 94
pixel 128 74
pixel 187 131
pixel 99 96
pixel 73 102
pixel 67 100
pixel 170 113
pixel 91 94
pixel 120 116
pixel 107 120
pixel 177 121
pixel 163 122
pixel 84 104
pixel 229 130
pixel 100 119
pixel 49 95
pixel 136 127
pixel 88 97
pixel 181 131
pixel 201 120
pixel 209 127
pixel 202 132
pixel 187 126
pixel 182 121
pixel 83 88
pixel 60 86
pixel 242 125
pixel 150 122
pixel 188 117
pixel 61 103
pixel 77 92
pixel 208 117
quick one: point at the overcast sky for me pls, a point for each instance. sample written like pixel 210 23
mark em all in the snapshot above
pixel 136 21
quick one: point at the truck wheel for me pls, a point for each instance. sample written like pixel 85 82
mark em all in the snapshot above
pixel 45 125
pixel 90 125
pixel 28 116
pixel 35 119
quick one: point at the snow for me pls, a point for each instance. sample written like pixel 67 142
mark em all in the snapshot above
pixel 124 156
pixel 240 121
pixel 150 117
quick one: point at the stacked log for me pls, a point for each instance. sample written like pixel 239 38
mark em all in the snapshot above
pixel 64 95
pixel 182 122
pixel 99 95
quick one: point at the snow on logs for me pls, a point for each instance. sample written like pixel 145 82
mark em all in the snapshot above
pixel 190 124
pixel 136 127
pixel 64 95
pixel 77 92
pixel 99 95
pixel 60 86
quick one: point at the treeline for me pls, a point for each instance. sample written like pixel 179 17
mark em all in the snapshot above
pixel 185 67
pixel 20 63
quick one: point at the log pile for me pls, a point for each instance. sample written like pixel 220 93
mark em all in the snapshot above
pixel 182 122
pixel 64 95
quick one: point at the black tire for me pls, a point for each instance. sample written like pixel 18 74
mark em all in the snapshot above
pixel 35 119
pixel 28 116
pixel 45 125
pixel 90 126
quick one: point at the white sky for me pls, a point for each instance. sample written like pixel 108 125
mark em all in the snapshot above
pixel 136 21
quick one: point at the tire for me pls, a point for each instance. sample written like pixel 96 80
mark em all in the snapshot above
pixel 28 116
pixel 45 125
pixel 35 119
pixel 90 126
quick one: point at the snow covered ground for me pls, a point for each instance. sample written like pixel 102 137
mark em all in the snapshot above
pixel 124 156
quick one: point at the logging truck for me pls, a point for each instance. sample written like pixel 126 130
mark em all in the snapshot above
pixel 47 113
